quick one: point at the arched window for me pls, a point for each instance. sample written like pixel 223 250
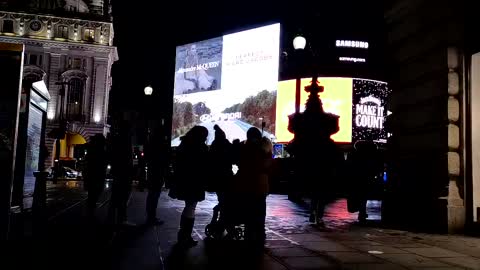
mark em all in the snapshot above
pixel 75 99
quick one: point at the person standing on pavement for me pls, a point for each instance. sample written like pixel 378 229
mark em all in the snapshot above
pixel 141 175
pixel 156 154
pixel 252 177
pixel 190 179
pixel 365 164
pixel 221 158
pixel 122 171
pixel 95 171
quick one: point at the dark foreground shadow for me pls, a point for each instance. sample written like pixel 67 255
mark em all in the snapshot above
pixel 215 254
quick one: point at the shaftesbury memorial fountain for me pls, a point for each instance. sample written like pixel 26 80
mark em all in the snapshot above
pixel 315 153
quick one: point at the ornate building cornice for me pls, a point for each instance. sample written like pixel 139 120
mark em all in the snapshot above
pixel 62 45
pixel 45 27
pixel 53 19
pixel 100 10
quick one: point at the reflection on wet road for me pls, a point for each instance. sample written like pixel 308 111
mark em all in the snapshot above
pixel 66 193
pixel 287 217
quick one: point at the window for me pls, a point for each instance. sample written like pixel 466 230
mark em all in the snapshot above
pixel 89 34
pixel 33 59
pixel 62 31
pixel 77 63
pixel 7 26
pixel 75 99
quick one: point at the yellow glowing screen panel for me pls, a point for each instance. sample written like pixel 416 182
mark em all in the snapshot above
pixel 337 99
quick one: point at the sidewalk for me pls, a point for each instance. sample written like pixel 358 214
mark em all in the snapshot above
pixel 68 241
pixel 72 242
pixel 291 243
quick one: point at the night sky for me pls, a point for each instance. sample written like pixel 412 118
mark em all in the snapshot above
pixel 147 32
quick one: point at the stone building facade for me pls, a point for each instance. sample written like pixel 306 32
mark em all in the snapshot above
pixel 434 73
pixel 73 53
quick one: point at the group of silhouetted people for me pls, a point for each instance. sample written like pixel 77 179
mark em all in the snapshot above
pixel 199 169
pixel 117 151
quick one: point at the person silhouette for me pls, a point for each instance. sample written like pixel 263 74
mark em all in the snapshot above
pixel 122 171
pixel 254 164
pixel 222 160
pixel 95 173
pixel 366 163
pixel 156 154
pixel 190 179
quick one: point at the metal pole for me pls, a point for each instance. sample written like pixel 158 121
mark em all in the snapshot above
pixel 146 147
pixel 298 82
pixel 297 94
pixel 60 128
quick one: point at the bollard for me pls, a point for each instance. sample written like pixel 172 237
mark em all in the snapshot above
pixel 39 207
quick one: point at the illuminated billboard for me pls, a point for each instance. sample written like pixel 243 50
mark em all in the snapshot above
pixel 230 81
pixel 360 103
pixel 369 113
pixel 336 99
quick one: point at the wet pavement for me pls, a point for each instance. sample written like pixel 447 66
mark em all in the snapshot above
pixel 66 194
pixel 292 243
pixel 72 241
pixel 63 195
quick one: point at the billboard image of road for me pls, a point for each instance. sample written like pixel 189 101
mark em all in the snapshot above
pixel 230 81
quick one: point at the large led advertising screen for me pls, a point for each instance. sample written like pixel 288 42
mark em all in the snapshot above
pixel 230 81
pixel 360 103
pixel 336 99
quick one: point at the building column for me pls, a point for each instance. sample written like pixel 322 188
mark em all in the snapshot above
pixel 475 136
pixel 53 110
pixel 425 184
pixel 456 205
pixel 99 90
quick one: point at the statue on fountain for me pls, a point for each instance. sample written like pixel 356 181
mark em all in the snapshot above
pixel 315 153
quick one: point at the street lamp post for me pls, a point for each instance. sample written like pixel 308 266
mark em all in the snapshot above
pixel 148 91
pixel 299 43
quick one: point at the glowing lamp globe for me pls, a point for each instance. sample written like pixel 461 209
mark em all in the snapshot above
pixel 148 91
pixel 299 43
